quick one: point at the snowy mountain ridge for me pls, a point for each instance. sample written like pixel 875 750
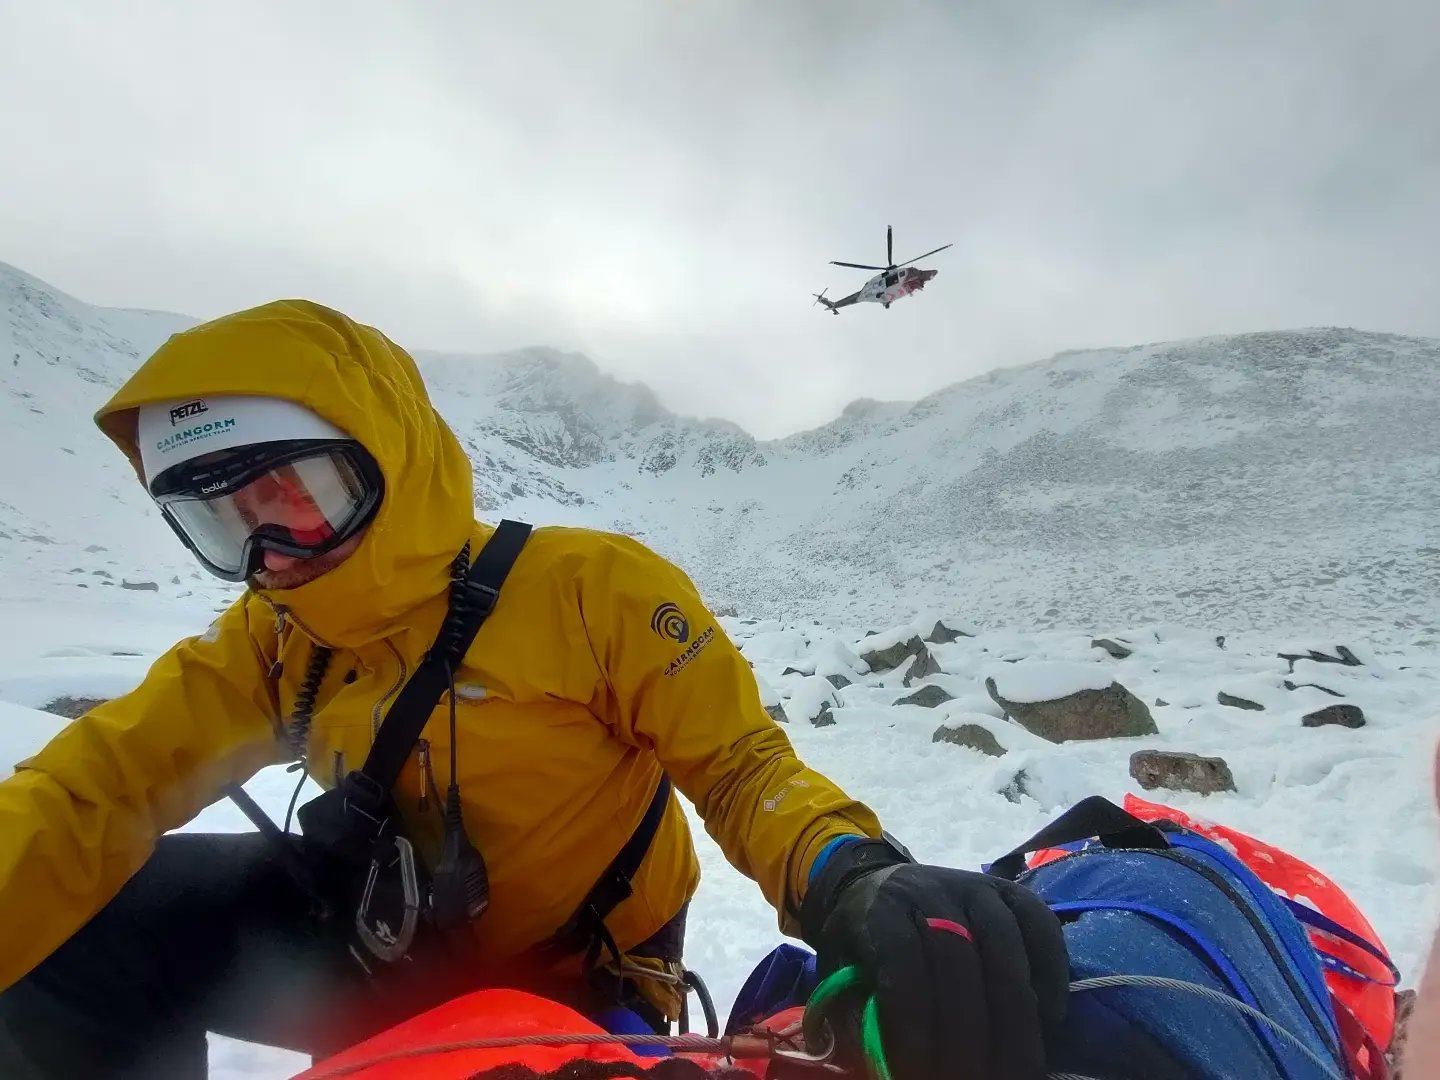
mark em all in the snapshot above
pixel 1278 479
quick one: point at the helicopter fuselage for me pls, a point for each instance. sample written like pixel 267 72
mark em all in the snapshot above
pixel 892 285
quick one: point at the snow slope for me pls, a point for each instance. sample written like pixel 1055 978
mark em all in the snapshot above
pixel 1269 481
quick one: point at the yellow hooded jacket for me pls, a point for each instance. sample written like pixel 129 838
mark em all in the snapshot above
pixel 571 700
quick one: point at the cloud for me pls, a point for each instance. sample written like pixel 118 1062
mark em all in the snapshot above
pixel 662 185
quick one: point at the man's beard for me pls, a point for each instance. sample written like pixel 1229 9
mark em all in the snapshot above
pixel 306 570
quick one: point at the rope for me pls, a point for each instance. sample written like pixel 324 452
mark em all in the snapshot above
pixel 740 1046
pixel 1155 982
pixel 680 1044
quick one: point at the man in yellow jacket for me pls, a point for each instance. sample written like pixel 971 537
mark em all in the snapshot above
pixel 298 451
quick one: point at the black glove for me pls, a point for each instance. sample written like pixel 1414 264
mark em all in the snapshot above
pixel 970 972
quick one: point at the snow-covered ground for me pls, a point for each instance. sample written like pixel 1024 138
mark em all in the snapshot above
pixel 1277 490
pixel 1353 802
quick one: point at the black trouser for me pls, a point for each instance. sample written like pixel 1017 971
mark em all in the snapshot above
pixel 211 935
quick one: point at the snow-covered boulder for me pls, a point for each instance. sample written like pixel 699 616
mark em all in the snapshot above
pixel 1061 702
pixel 972 736
pixel 1114 648
pixel 885 656
pixel 922 667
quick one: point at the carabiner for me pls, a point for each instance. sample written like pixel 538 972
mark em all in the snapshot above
pixel 382 942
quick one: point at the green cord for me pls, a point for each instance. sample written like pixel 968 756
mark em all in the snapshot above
pixel 871 1041
pixel 834 986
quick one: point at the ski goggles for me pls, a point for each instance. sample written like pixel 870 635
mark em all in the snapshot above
pixel 301 498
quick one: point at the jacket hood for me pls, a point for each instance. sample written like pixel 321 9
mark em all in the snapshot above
pixel 360 381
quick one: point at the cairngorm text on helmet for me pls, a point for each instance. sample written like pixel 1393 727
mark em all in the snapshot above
pixel 198 433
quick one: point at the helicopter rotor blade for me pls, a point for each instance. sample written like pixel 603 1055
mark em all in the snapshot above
pixel 889 246
pixel 927 254
pixel 858 266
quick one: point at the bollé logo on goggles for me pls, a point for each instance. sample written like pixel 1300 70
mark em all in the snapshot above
pixel 187 410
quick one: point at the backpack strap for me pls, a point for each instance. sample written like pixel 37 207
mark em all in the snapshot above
pixel 469 608
pixel 585 929
pixel 1093 817
pixel 1326 925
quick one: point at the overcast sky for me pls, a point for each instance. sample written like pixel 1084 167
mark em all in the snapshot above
pixel 661 184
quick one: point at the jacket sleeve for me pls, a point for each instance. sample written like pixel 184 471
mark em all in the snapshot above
pixel 676 685
pixel 80 817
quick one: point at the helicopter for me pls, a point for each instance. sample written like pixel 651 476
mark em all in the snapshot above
pixel 890 284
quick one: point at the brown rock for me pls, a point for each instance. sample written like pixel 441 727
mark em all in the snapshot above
pixel 1342 656
pixel 1314 686
pixel 927 697
pixel 943 635
pixel 894 656
pixel 1114 648
pixel 1017 788
pixel 972 735
pixel 1180 772
pixel 923 667
pixel 1349 716
pixel 72 708
pixel 1238 702
pixel 1404 1007
pixel 1087 714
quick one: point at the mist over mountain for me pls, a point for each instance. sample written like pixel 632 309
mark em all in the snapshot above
pixel 1266 480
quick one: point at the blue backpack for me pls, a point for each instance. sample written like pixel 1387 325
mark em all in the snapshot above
pixel 1158 902
pixel 1213 975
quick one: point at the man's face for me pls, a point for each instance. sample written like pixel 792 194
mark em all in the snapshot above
pixel 281 498
pixel 288 572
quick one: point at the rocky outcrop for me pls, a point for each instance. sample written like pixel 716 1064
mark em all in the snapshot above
pixel 1086 714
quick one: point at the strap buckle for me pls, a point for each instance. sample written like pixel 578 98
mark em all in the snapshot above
pixel 483 597
pixel 382 941
pixel 366 797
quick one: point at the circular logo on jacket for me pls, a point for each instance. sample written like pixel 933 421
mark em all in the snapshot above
pixel 669 622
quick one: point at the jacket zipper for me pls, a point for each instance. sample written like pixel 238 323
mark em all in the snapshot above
pixel 282 613
pixel 1244 903
pixel 375 717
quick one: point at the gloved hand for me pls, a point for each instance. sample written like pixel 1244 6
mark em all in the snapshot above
pixel 969 971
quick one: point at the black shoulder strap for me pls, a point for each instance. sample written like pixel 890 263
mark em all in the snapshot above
pixel 585 929
pixel 1095 817
pixel 408 714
